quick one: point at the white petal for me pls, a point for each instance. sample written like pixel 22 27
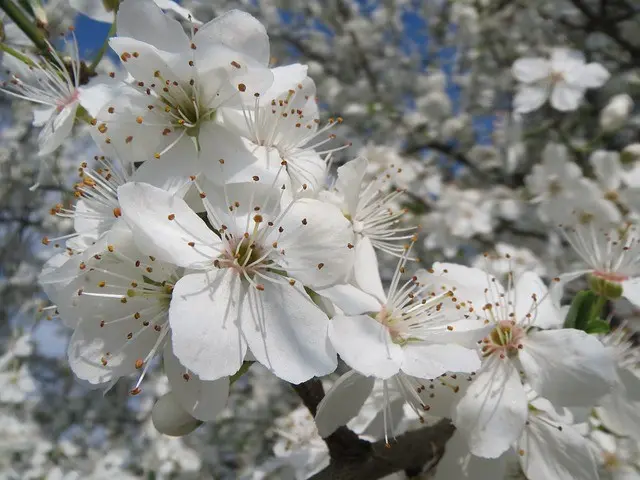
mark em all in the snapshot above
pixel 566 60
pixel 98 92
pixel 149 61
pixel 566 97
pixel 237 30
pixel 287 332
pixel 631 290
pixel 568 367
pixel 365 345
pixel 493 412
pixel 544 313
pixel 57 129
pixel 529 70
pixel 205 317
pixel 430 361
pixel 557 288
pixel 620 410
pixel 457 463
pixel 316 241
pixel 530 98
pixel 147 209
pixel 350 176
pixel 550 453
pixel 203 400
pixel 592 75
pixel 365 269
pixel 42 115
pixel 351 300
pixel 92 9
pixel 342 402
pixel 172 171
pixel 103 354
pixel 285 78
pixel 144 21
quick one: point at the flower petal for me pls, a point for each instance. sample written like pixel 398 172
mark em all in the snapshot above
pixel 205 315
pixel 203 400
pixel 548 450
pixel 427 361
pixel 568 367
pixel 237 30
pixel 342 402
pixel 57 129
pixel 351 300
pixel 148 211
pixel 631 290
pixel 592 75
pixel 493 412
pixel 144 21
pixel 315 239
pixel 530 97
pixel 365 345
pixel 532 297
pixel 365 269
pixel 458 463
pixel 529 70
pixel 287 332
pixel 566 97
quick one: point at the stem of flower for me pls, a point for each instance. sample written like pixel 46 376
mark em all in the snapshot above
pixel 16 14
pixel 14 53
pixel 103 48
pixel 243 369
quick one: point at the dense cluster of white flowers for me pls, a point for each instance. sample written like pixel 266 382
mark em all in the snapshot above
pixel 226 234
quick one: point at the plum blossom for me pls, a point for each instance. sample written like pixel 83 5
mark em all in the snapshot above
pixel 415 328
pixel 375 219
pixel 566 366
pixel 564 77
pixel 251 276
pixel 54 83
pixel 550 446
pixel 180 83
pixel 609 254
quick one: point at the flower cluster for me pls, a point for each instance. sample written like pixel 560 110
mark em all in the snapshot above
pixel 225 223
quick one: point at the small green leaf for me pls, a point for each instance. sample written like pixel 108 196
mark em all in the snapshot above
pixel 598 326
pixel 580 311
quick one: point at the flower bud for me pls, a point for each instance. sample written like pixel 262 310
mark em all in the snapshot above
pixel 616 113
pixel 630 154
pixel 605 288
pixel 171 419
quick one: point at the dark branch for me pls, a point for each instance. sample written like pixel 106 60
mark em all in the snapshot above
pixel 410 452
pixel 355 459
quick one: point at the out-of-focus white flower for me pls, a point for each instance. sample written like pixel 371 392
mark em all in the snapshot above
pixel 564 77
pixel 510 258
pixel 618 458
pixel 616 113
pixel 17 386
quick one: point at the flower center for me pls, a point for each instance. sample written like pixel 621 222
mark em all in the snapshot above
pixel 393 326
pixel 610 276
pixel 245 257
pixel 505 340
pixel 62 103
pixel 556 77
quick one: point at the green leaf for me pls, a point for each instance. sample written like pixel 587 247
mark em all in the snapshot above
pixel 598 326
pixel 580 311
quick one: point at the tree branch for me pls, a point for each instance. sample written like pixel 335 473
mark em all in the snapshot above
pixel 410 452
pixel 353 458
